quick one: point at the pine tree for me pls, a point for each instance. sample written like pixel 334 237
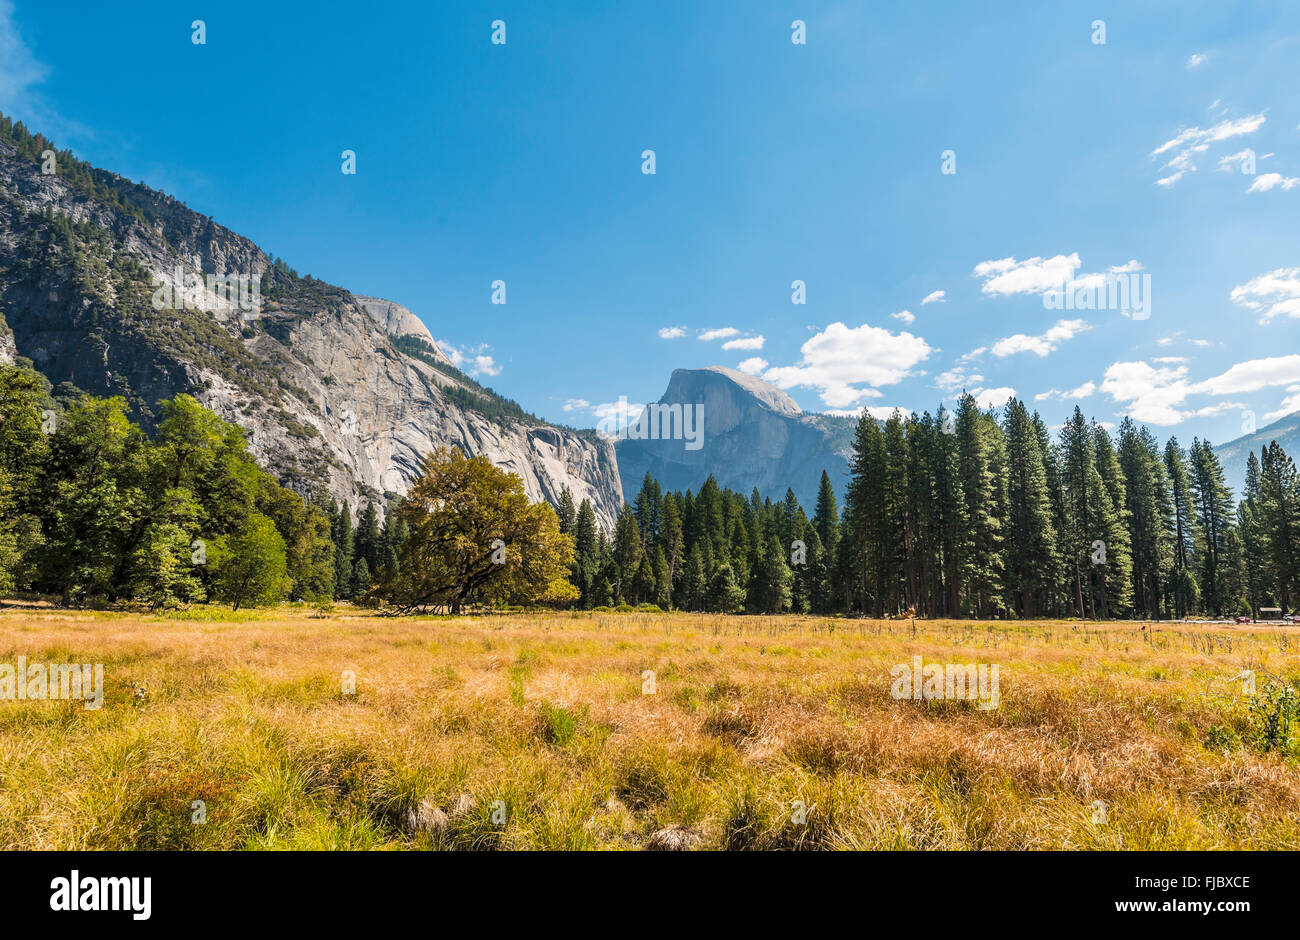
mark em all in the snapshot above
pixel 663 580
pixel 1183 589
pixel 1279 515
pixel 343 551
pixel 1214 516
pixel 826 517
pixel 861 568
pixel 1093 525
pixel 586 561
pixel 626 552
pixel 360 578
pixel 366 542
pixel 1258 587
pixel 648 510
pixel 670 536
pixel 695 588
pixel 643 583
pixel 725 595
pixel 897 531
pixel 566 512
pixel 1115 577
pixel 980 549
pixel 773 580
pixel 1150 513
pixel 1031 532
pixel 1060 594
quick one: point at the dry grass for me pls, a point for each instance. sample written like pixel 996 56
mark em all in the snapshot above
pixel 543 716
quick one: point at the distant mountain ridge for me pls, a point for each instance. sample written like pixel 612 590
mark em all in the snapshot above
pixel 1233 455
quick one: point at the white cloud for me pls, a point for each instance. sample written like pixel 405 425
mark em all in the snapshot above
pixel 472 360
pixel 1195 59
pixel 1177 335
pixel 1290 404
pixel 906 316
pixel 1275 294
pixel 671 332
pixel 1210 411
pixel 748 342
pixel 839 359
pixel 19 70
pixel 1128 267
pixel 1042 344
pixel 957 378
pixel 1253 375
pixel 754 365
pixel 992 397
pixel 1158 395
pixel 879 412
pixel 576 404
pixel 1039 275
pixel 1086 390
pixel 1193 140
pixel 1222 131
pixel 726 331
pixel 934 297
pixel 1149 394
pixel 1266 181
pixel 1032 276
pixel 1235 161
pixel 613 416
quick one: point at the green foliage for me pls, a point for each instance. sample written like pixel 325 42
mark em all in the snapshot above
pixel 162 572
pixel 100 184
pixel 1274 712
pixel 250 565
pixel 91 508
pixel 474 537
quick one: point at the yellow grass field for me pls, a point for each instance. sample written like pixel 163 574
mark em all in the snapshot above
pixel 538 731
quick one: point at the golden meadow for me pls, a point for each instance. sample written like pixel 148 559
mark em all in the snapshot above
pixel 297 728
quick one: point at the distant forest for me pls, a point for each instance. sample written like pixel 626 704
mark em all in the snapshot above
pixel 973 514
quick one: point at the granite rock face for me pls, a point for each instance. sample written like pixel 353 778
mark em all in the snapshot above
pixel 754 436
pixel 109 286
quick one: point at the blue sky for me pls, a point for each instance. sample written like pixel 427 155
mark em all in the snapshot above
pixel 775 162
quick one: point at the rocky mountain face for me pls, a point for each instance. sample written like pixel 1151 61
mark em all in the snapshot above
pixel 1233 455
pixel 754 435
pixel 113 288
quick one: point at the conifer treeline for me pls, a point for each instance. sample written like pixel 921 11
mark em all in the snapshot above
pixel 363 550
pixel 972 514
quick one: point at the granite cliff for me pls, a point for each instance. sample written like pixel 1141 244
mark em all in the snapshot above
pixel 113 288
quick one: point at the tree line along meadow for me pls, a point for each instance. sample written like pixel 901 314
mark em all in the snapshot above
pixel 974 514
